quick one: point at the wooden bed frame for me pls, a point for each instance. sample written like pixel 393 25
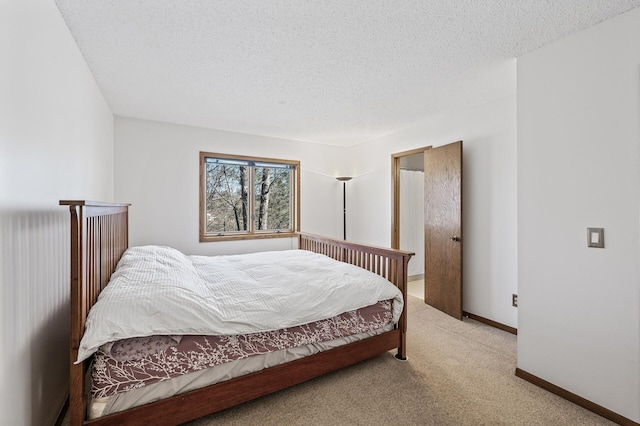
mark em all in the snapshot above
pixel 99 236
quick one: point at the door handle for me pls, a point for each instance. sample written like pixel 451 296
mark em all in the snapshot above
pixel 454 238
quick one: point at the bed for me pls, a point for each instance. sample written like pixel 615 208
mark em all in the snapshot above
pixel 99 238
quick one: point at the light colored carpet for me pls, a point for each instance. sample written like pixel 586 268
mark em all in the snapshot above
pixel 458 373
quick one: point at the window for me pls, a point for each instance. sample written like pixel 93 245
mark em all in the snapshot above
pixel 245 197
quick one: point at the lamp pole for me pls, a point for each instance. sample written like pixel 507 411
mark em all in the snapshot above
pixel 344 180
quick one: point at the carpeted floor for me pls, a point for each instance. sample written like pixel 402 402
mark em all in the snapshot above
pixel 458 373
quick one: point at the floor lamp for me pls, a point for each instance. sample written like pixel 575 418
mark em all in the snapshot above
pixel 344 180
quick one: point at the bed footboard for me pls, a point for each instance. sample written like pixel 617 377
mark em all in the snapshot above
pixel 389 263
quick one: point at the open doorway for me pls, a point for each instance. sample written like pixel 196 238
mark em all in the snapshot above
pixel 440 230
pixel 408 172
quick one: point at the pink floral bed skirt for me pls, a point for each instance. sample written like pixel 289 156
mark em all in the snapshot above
pixel 137 362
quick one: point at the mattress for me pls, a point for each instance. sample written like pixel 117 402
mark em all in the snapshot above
pixel 160 291
pixel 154 390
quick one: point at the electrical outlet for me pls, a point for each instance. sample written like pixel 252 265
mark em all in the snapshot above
pixel 514 300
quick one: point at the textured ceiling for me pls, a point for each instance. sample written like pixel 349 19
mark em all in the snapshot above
pixel 329 71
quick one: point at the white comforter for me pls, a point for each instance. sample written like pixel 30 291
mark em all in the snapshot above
pixel 159 290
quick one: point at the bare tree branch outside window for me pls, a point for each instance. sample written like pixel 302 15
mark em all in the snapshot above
pixel 226 198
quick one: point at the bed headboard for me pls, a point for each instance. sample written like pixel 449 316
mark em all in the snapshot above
pixel 99 236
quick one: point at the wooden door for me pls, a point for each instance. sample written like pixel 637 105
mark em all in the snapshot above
pixel 443 228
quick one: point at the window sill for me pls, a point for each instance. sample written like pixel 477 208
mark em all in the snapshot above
pixel 240 237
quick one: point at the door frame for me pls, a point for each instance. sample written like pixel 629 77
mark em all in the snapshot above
pixel 395 192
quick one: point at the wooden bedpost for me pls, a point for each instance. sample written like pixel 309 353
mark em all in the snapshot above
pixel 99 236
pixel 389 263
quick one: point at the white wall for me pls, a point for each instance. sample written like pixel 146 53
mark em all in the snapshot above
pixel 489 197
pixel 167 155
pixel 56 142
pixel 412 218
pixel 578 167
pixel 157 171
